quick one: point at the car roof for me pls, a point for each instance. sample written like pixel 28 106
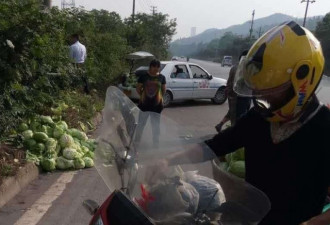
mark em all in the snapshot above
pixel 177 62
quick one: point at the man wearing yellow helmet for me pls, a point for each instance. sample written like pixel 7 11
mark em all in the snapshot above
pixel 285 134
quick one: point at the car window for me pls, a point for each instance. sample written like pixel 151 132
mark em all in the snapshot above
pixel 180 72
pixel 198 72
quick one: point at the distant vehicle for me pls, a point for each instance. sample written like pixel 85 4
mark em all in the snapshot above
pixel 186 81
pixel 175 58
pixel 227 61
pixel 182 57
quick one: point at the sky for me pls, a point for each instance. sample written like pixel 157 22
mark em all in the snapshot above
pixel 205 14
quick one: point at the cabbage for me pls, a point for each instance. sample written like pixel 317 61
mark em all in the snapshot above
pixel 58 149
pixel 51 145
pixel 77 142
pixel 51 142
pixel 92 144
pixel 38 149
pixel 238 155
pixel 23 127
pixel 47 130
pixel 78 134
pixel 29 143
pixel 64 164
pixel 40 137
pixel 28 134
pixel 46 120
pixel 76 147
pixel 70 153
pixel 58 132
pixel 48 164
pixel 62 125
pixel 35 126
pixel 88 162
pixel 89 154
pixel 84 149
pixel 66 141
pixel 79 163
pixel 30 157
pixel 237 168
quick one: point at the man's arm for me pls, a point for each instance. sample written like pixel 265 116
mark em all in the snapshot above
pixel 221 144
pixel 163 89
pixel 71 52
pixel 227 141
pixel 163 84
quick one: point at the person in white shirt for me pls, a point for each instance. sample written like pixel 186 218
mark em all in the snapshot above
pixel 78 54
pixel 77 50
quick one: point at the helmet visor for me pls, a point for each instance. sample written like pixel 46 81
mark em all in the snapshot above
pixel 244 85
pixel 266 100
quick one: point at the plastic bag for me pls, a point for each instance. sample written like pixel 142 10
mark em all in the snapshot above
pixel 211 195
pixel 171 197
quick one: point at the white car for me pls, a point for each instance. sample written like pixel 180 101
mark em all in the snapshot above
pixel 186 81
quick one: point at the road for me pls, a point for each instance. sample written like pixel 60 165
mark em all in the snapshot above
pixel 56 198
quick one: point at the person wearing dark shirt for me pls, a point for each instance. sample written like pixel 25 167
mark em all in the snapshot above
pixel 151 88
pixel 238 106
pixel 285 134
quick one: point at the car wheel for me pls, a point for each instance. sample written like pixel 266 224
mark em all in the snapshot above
pixel 167 98
pixel 220 97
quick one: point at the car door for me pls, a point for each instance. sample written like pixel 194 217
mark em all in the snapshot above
pixel 181 82
pixel 201 82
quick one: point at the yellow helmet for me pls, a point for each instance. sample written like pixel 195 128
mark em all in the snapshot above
pixel 281 71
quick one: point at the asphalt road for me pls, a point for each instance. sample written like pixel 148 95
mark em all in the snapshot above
pixel 56 198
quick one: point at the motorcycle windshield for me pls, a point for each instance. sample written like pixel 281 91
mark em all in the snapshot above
pixel 131 145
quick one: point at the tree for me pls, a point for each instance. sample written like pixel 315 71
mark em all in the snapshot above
pixel 151 33
pixel 323 34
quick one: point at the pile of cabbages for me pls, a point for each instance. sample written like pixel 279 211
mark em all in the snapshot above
pixel 52 145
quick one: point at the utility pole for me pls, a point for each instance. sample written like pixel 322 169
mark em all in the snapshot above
pixel 153 9
pixel 252 22
pixel 133 13
pixel 307 5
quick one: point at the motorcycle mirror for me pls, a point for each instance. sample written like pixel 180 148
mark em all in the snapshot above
pixel 91 206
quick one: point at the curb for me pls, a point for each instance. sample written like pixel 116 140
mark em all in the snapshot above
pixel 11 186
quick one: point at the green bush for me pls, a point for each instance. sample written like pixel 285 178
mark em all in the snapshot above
pixel 37 73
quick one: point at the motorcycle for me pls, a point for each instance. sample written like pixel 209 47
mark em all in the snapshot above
pixel 200 193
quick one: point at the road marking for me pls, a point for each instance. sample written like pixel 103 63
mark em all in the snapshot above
pixel 34 214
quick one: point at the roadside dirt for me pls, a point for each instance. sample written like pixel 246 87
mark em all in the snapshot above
pixel 11 159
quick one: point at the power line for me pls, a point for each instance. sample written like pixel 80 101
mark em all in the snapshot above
pixel 307 5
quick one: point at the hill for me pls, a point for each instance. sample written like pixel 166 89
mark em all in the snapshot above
pixel 184 46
